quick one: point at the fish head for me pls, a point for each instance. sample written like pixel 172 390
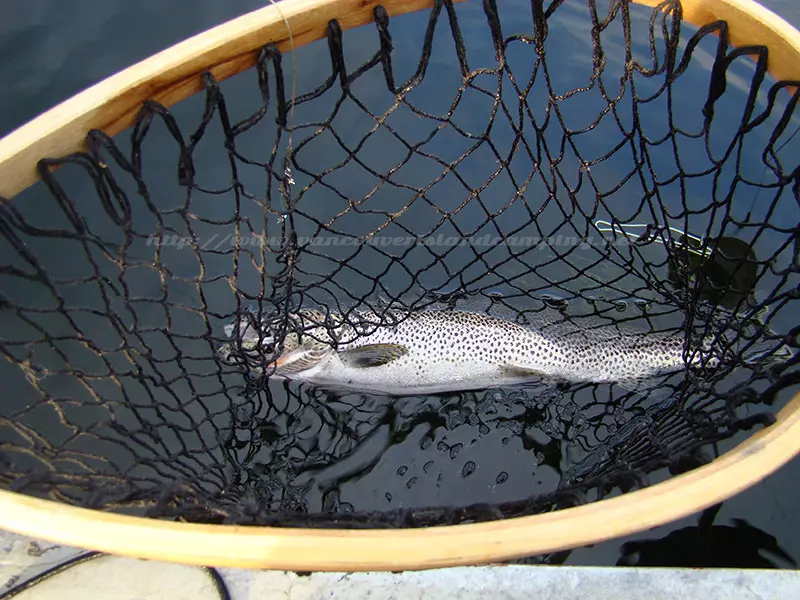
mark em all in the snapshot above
pixel 300 353
pixel 311 339
pixel 258 346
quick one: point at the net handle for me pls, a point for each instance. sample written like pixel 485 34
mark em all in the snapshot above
pixel 405 549
pixel 176 73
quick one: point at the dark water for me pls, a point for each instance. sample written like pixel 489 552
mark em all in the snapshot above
pixel 51 50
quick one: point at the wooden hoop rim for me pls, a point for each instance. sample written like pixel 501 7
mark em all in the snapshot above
pixel 404 549
pixel 175 74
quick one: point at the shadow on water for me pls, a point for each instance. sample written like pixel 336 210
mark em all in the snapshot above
pixel 728 277
pixel 707 545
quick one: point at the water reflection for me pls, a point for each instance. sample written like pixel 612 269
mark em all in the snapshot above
pixel 310 455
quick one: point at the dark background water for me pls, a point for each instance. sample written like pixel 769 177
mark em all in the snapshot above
pixel 51 50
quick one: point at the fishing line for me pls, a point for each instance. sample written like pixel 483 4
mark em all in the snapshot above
pixel 48 573
pixel 220 587
pixel 289 149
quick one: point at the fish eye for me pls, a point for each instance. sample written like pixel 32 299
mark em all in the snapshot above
pixel 268 345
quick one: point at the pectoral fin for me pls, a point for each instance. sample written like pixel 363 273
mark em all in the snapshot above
pixel 521 371
pixel 372 355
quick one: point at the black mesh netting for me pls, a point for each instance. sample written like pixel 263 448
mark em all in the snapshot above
pixel 568 167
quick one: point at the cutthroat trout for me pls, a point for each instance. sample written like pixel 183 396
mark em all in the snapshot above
pixel 435 351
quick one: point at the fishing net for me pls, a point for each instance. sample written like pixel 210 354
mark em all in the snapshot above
pixel 570 167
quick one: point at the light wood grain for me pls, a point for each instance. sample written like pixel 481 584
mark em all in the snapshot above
pixel 176 73
pixel 341 550
pixel 749 24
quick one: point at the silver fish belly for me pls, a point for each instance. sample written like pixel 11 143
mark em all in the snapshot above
pixel 431 352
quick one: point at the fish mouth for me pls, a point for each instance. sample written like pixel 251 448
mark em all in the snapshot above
pixel 284 360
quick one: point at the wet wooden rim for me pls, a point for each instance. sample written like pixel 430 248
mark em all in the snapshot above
pixel 175 74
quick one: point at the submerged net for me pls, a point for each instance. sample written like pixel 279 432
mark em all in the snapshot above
pixel 583 168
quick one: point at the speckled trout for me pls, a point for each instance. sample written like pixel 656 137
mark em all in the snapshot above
pixel 435 351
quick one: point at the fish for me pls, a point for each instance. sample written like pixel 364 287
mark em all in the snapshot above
pixel 438 351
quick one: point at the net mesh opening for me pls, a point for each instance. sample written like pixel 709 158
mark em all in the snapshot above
pixel 579 170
